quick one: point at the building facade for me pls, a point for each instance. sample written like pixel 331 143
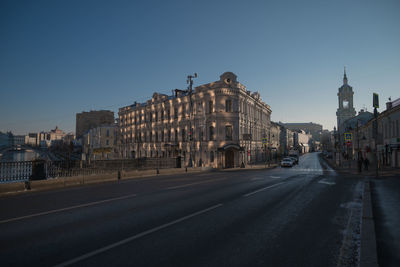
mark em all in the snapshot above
pixel 314 129
pixel 274 141
pixel 92 119
pixel 383 147
pixel 100 143
pixel 219 124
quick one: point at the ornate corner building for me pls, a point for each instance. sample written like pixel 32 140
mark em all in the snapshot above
pixel 219 124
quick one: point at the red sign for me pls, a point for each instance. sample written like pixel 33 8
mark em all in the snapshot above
pixel 248 153
pixel 348 143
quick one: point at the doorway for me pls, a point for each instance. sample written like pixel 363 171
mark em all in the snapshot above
pixel 229 159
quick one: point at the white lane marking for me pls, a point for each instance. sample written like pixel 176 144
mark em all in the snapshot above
pixel 256 178
pixel 275 177
pixel 67 208
pixel 129 239
pixel 326 182
pixel 191 184
pixel 262 189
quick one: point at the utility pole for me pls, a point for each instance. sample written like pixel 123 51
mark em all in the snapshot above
pixel 191 116
pixel 375 104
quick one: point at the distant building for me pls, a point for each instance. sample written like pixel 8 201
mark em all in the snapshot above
pixel 99 143
pixel 327 141
pixel 286 139
pixel 32 139
pixel 274 141
pixel 69 138
pixel 5 140
pixel 220 124
pixel 92 119
pixel 45 139
pixel 309 127
pixel 56 134
pixel 301 141
pixel 18 140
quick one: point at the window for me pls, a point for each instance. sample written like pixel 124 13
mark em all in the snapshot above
pixel 156 116
pixel 108 133
pixel 162 115
pixel 210 107
pixel 201 134
pixel 191 134
pixel 212 156
pixel 183 110
pixel 156 137
pixel 169 114
pixel 151 137
pixel 107 142
pixel 162 136
pixel 176 135
pixel 228 133
pixel 211 133
pixel 183 135
pixel 175 113
pixel 228 105
pixel 169 135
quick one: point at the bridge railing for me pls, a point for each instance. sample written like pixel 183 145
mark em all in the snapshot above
pixel 19 171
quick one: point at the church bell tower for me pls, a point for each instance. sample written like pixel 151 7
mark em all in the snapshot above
pixel 346 109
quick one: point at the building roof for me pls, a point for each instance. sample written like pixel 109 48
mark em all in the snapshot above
pixel 362 118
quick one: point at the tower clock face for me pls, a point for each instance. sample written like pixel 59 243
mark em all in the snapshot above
pixel 345 104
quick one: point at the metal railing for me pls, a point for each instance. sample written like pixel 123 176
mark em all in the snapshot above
pixel 20 171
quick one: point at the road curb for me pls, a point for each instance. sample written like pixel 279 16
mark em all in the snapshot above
pixel 88 180
pixel 368 251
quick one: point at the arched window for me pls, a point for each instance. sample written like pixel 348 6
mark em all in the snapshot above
pixel 211 133
pixel 212 156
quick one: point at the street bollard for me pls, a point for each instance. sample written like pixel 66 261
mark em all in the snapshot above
pixel 27 185
pixel 185 169
pixel 158 171
pixel 119 175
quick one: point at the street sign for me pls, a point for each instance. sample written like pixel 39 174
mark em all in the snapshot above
pixel 375 100
pixel 348 136
pixel 264 141
pixel 247 137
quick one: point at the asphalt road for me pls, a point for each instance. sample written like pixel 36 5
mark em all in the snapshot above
pixel 301 216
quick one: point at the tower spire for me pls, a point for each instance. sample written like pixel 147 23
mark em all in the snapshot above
pixel 344 76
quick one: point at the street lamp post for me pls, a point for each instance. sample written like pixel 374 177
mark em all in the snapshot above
pixel 191 116
pixel 376 140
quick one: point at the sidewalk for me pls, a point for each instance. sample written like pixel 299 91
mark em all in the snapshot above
pixel 382 199
pixel 371 172
pixel 385 202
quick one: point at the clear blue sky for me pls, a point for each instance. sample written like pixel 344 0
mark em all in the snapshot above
pixel 58 58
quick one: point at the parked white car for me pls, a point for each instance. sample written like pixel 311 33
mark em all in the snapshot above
pixel 287 162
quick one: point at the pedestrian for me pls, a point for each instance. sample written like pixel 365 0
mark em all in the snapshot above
pixel 366 163
pixel 360 162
